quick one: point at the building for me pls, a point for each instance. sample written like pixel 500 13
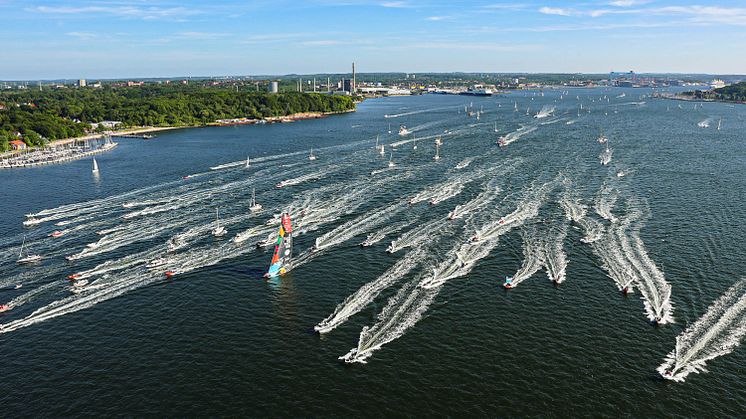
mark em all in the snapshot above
pixel 81 83
pixel 274 87
pixel 18 145
pixel 717 83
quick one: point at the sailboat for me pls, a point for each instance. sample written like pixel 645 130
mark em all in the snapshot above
pixel 602 138
pixel 403 130
pixel 248 162
pixel 606 155
pixel 311 156
pixel 720 121
pixel 383 149
pixel 95 166
pixel 389 131
pixel 283 249
pixel 218 230
pixel 495 126
pixel 391 160
pixel 437 151
pixel 255 206
pixel 27 258
pixel 415 143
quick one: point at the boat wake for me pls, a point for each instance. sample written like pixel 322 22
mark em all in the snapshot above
pixel 715 334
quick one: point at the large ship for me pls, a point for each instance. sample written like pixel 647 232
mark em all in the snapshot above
pixel 478 90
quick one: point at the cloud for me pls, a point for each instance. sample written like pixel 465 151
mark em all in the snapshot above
pixel 628 3
pixel 82 35
pixel 135 12
pixel 438 18
pixel 555 11
pixel 501 6
pixel 201 35
pixel 396 4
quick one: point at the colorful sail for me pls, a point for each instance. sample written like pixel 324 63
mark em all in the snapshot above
pixel 283 249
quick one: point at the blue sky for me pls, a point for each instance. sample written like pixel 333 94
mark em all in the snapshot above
pixel 138 38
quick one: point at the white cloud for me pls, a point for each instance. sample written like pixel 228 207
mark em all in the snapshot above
pixel 501 6
pixel 628 3
pixel 555 11
pixel 201 35
pixel 81 35
pixel 396 4
pixel 437 18
pixel 122 11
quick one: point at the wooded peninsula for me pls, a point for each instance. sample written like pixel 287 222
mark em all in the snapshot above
pixel 37 117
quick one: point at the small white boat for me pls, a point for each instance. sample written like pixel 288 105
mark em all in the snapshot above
pixel 255 206
pixel 95 166
pixel 496 126
pixel 391 160
pixel 27 258
pixel 248 162
pixel 602 138
pixel 219 230
pixel 311 156
pixel 403 130
pixel 437 151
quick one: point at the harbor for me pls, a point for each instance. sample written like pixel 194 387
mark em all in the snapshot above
pixel 57 154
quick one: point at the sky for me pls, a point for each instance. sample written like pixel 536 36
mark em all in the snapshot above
pixel 49 39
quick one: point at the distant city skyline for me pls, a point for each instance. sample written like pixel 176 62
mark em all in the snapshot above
pixel 137 38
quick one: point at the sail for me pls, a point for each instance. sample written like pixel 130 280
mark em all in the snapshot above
pixel 95 165
pixel 283 249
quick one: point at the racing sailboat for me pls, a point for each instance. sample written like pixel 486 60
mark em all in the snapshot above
pixel 283 249
pixel 255 206
pixel 95 166
pixel 248 161
pixel 27 258
pixel 219 230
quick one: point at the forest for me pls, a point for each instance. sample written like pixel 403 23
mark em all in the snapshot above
pixel 733 93
pixel 42 116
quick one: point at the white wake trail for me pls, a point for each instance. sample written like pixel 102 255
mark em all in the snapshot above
pixel 718 332
pixel 356 302
pixel 533 257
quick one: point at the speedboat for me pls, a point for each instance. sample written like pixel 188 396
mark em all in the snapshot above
pixel 4 307
pixel 508 282
pixel 403 130
pixel 219 231
pixel 169 274
pixel 56 234
pixel 73 277
pixel 81 283
pixel 19 286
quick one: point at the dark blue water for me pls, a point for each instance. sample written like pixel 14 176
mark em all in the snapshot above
pixel 219 340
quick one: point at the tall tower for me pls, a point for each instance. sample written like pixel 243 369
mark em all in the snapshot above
pixel 352 86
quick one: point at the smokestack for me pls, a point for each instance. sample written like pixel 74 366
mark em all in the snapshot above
pixel 328 84
pixel 352 86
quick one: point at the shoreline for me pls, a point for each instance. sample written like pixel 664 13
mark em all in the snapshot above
pixel 696 99
pixel 300 116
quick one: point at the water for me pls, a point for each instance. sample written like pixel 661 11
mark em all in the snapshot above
pixel 438 332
